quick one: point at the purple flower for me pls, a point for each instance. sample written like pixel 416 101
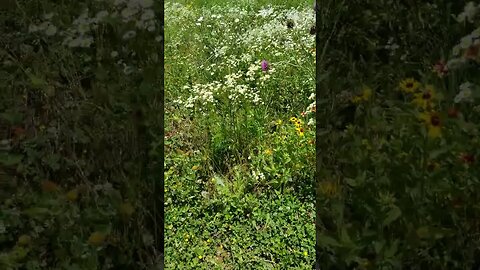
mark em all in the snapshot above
pixel 264 65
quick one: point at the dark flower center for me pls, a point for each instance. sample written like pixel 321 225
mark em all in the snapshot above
pixel 467 158
pixel 427 95
pixel 452 112
pixel 435 120
pixel 409 85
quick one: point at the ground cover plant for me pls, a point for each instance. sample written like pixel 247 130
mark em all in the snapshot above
pixel 399 146
pixel 239 150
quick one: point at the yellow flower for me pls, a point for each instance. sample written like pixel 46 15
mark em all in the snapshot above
pixel 97 238
pixel 409 85
pixel 209 240
pixel 72 195
pixel 195 167
pixel 126 210
pixel 268 152
pixel 424 99
pixel 433 122
pixel 279 122
pixel 200 257
pixel 300 131
pixel 328 188
pixel 24 240
pixel 293 119
pixel 364 96
pixel 305 253
pixel 357 99
pixel 367 92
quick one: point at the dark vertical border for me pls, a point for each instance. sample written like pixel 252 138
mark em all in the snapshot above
pixel 317 129
pixel 159 179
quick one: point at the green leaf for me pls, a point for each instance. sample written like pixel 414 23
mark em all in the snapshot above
pixel 392 215
pixel 438 152
pixel 345 238
pixel 219 181
pixel 36 212
pixel 325 241
pixel 12 117
pixel 423 232
pixel 37 82
pixel 8 159
pixel 392 250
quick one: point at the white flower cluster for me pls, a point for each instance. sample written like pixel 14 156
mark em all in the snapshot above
pixel 465 94
pixel 238 92
pixel 209 93
pixel 311 109
pixel 254 72
pixel 258 175
pixel 266 12
pixel 200 93
pixel 467 48
pixel 273 32
pixel 47 27
pixel 79 34
pixel 469 12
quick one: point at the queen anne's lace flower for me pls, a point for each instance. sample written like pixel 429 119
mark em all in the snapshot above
pixel 465 94
pixel 469 12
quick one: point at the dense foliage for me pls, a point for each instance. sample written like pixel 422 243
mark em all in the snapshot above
pixel 398 181
pixel 239 135
pixel 79 82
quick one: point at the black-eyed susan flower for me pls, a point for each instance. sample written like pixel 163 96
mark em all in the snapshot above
pixel 433 122
pixel 409 85
pixel 425 98
pixel 363 96
pixel 300 131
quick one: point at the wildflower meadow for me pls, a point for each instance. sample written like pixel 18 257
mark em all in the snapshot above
pixel 137 134
pixel 80 101
pixel 240 140
pixel 398 135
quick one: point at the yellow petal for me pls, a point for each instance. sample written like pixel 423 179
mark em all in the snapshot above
pixel 434 132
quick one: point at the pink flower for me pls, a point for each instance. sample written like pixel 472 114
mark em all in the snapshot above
pixel 264 65
pixel 440 68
